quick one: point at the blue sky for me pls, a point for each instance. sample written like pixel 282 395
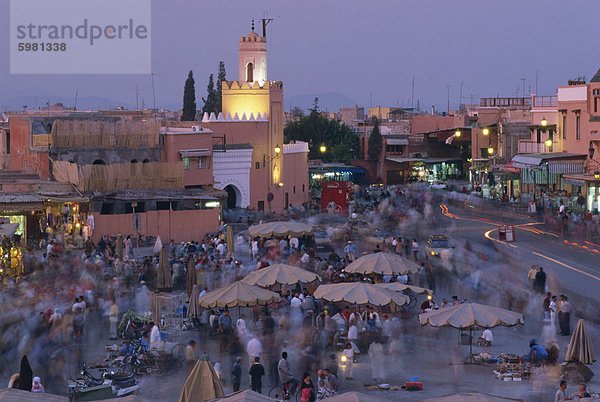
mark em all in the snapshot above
pixel 368 51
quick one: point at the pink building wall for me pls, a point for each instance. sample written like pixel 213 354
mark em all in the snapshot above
pixel 177 225
pixel 173 143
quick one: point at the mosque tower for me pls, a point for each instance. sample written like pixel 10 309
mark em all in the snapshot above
pixel 253 57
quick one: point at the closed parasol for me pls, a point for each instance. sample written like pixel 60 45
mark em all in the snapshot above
pixel 190 278
pixel 202 384
pixel 580 349
pixel 164 280
pixel 360 293
pixel 194 309
pixel 383 264
pixel 230 242
pixel 280 229
pixel 400 287
pixel 119 246
pixel 469 315
pixel 238 294
pixel 282 274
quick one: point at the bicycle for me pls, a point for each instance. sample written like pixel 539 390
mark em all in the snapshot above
pixel 281 392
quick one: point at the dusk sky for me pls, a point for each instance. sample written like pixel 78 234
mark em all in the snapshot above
pixel 367 51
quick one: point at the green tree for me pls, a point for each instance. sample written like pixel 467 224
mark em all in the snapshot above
pixel 297 112
pixel 317 130
pixel 210 102
pixel 189 99
pixel 221 76
pixel 315 108
pixel 375 141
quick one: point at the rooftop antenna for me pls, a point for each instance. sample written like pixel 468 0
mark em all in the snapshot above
pixel 265 22
pixel 536 82
pixel 137 94
pixel 523 80
pixel 252 24
pixel 153 94
pixel 412 96
pixel 76 93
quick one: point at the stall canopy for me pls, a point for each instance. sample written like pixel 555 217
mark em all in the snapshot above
pixel 470 397
pixel 279 229
pixel 360 293
pixel 245 396
pixel 400 287
pixel 238 294
pixel 580 348
pixel 8 229
pixel 282 274
pixel 356 397
pixel 202 384
pixel 383 264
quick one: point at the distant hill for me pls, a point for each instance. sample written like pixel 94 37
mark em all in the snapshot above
pixel 331 102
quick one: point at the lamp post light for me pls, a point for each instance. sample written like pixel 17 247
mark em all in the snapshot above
pixel 596 175
pixel 323 149
pixel 486 131
pixel 277 149
pixel 544 122
pixel 457 133
pixel 490 150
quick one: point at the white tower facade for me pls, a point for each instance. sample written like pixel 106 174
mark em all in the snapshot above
pixel 253 58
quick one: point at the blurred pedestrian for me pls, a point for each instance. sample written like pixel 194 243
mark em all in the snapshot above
pixel 376 355
pixel 236 374
pixel 531 275
pixel 307 389
pixel 348 360
pixel 257 371
pixel 37 385
pixel 539 284
pixel 113 318
pixel 546 306
pixel 564 316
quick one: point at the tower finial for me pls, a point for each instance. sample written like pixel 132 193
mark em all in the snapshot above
pixel 252 24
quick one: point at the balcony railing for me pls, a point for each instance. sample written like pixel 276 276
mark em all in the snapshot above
pixel 545 101
pixel 532 147
pixel 505 102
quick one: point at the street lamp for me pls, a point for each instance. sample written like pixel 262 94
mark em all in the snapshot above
pixel 490 150
pixel 544 122
pixel 596 175
pixel 457 133
pixel 486 131
pixel 323 149
pixel 277 149
pixel 548 142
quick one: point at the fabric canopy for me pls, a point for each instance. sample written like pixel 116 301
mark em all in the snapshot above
pixel 202 384
pixel 467 315
pixel 246 396
pixel 400 287
pixel 360 293
pixel 279 229
pixel 356 397
pixel 580 347
pixel 238 294
pixel 14 395
pixel 282 274
pixel 470 397
pixel 382 263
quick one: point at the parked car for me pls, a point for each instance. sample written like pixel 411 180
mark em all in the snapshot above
pixel 321 237
pixel 438 245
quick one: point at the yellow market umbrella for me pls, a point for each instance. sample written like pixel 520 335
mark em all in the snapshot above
pixel 360 293
pixel 230 242
pixel 282 274
pixel 202 384
pixel 400 287
pixel 468 315
pixel 238 294
pixel 279 229
pixel 580 349
pixel 190 278
pixel 164 280
pixel 383 264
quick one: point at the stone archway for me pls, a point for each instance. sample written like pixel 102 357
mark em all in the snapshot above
pixel 234 196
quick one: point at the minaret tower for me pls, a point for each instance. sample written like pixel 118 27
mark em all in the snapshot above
pixel 253 57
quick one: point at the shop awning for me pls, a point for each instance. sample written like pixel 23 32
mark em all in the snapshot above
pixel 404 160
pixel 580 179
pixel 441 159
pixel 190 153
pixel 396 141
pixel 510 168
pixel 8 229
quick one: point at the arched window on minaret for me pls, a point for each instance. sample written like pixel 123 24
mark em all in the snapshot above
pixel 250 72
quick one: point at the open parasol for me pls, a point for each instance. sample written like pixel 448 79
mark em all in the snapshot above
pixel 469 315
pixel 164 280
pixel 202 384
pixel 282 274
pixel 279 229
pixel 383 264
pixel 190 278
pixel 580 349
pixel 238 294
pixel 360 293
pixel 470 397
pixel 400 287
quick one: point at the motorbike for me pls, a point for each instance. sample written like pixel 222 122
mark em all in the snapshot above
pixel 111 385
